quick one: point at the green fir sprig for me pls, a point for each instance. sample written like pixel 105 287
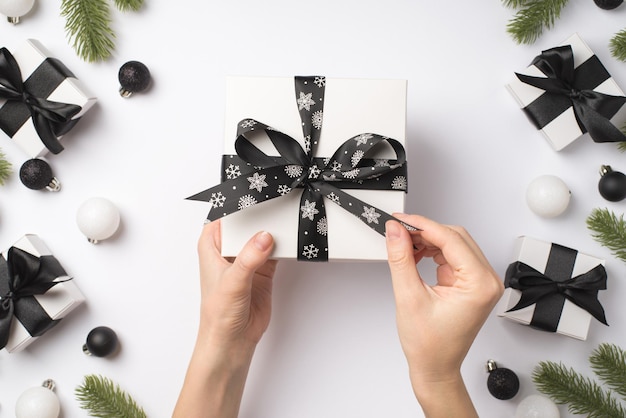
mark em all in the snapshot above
pixel 103 398
pixel 532 17
pixel 609 230
pixel 608 362
pixel 5 169
pixel 617 45
pixel 581 394
pixel 88 26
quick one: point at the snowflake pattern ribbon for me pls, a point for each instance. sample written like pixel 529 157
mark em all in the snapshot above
pixel 251 176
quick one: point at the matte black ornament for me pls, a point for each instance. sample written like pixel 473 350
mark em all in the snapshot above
pixel 612 184
pixel 502 383
pixel 608 4
pixel 101 342
pixel 134 77
pixel 36 174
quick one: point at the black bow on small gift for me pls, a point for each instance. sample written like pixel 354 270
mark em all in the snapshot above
pixel 22 276
pixel 582 290
pixel 28 99
pixel 566 86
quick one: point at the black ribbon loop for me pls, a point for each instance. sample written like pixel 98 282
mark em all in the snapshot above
pixel 28 99
pixel 568 86
pixel 582 290
pixel 22 276
pixel 351 166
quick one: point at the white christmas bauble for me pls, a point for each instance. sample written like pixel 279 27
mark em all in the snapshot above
pixel 15 8
pixel 38 402
pixel 98 219
pixel 548 196
pixel 537 406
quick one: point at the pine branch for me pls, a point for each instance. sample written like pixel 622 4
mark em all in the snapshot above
pixel 515 4
pixel 618 45
pixel 125 5
pixel 5 169
pixel 529 22
pixel 609 231
pixel 104 399
pixel 88 26
pixel 581 394
pixel 608 362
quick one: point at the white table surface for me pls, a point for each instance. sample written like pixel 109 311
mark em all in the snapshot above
pixel 331 349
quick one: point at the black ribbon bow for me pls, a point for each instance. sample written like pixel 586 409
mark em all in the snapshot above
pixel 28 99
pixel 351 166
pixel 566 86
pixel 582 290
pixel 22 276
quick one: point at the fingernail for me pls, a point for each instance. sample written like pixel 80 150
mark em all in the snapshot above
pixel 392 230
pixel 263 240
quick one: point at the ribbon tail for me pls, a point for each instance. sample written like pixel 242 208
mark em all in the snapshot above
pixel 6 316
pixel 368 214
pixel 532 295
pixel 45 131
pixel 599 127
pixel 588 302
pixel 237 194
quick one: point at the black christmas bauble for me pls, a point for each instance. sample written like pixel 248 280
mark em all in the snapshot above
pixel 612 184
pixel 502 383
pixel 608 4
pixel 36 174
pixel 101 341
pixel 133 77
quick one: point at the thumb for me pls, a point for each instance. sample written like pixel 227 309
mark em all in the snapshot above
pixel 253 255
pixel 404 275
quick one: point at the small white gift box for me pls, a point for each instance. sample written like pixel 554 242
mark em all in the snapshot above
pixel 46 78
pixel 563 129
pixel 48 308
pixel 563 316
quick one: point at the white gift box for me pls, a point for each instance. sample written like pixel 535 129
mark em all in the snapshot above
pixel 70 91
pixel 574 321
pixel 57 302
pixel 351 107
pixel 563 130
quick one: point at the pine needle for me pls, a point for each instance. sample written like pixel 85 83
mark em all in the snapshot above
pixel 5 169
pixel 608 362
pixel 581 394
pixel 609 231
pixel 618 45
pixel 535 15
pixel 88 26
pixel 125 5
pixel 104 399
pixel 515 4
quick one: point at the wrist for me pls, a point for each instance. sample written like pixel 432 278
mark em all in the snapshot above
pixel 443 395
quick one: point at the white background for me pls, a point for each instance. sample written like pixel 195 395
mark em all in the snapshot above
pixel 331 349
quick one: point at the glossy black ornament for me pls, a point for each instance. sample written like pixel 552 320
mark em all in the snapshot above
pixel 36 174
pixel 502 383
pixel 134 77
pixel 101 342
pixel 608 4
pixel 612 184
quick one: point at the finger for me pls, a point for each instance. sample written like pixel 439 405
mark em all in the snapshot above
pixel 401 258
pixel 252 257
pixel 452 241
pixel 210 242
